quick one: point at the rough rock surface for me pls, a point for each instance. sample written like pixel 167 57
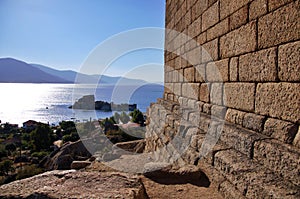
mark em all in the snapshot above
pixel 75 184
pixel 64 156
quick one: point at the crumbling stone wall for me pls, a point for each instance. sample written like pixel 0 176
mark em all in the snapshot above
pixel 235 113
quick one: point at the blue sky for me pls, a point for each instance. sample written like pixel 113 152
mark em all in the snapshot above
pixel 62 33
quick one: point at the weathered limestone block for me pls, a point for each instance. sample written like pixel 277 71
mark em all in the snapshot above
pixel 279 26
pixel 239 41
pixel 235 116
pixel 276 4
pixel 204 92
pixel 177 89
pixel 239 96
pixel 254 122
pixel 233 68
pixel 200 73
pixel 259 66
pixel 239 138
pixel 227 7
pixel 239 18
pixel 229 191
pixel 251 178
pixel 218 111
pixel 198 8
pixel 280 158
pixel 288 62
pixel 257 9
pixel 211 16
pixel 195 28
pixel 219 29
pixel 216 93
pixel 189 74
pixel 217 71
pixel 281 130
pixel 191 90
pixel 210 51
pixel 280 100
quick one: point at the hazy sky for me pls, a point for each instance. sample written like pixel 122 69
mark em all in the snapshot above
pixel 62 33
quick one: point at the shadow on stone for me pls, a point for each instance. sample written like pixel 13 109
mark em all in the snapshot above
pixel 170 178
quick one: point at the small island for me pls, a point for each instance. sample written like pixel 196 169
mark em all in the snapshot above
pixel 88 102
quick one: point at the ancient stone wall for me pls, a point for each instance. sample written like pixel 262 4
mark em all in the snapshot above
pixel 232 95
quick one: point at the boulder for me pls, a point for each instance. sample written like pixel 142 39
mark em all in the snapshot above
pixel 63 157
pixel 76 184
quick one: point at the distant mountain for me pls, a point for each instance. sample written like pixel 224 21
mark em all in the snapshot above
pixel 16 71
pixel 70 75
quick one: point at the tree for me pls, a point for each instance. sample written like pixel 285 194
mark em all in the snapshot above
pixel 6 166
pixel 10 147
pixel 137 117
pixel 41 137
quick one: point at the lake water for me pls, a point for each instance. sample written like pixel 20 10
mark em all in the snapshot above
pixel 50 102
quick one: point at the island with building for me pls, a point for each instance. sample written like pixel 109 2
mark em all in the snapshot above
pixel 88 102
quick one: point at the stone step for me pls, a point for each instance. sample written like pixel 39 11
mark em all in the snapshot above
pixel 252 179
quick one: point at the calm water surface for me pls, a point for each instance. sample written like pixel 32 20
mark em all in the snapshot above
pixel 49 102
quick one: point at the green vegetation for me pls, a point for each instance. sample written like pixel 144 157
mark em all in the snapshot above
pixel 116 132
pixel 28 171
pixel 21 149
pixel 137 117
pixel 6 166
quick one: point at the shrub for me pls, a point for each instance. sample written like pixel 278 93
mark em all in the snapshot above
pixel 28 171
pixel 6 166
pixel 40 155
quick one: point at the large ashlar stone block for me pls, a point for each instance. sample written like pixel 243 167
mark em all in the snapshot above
pixel 189 74
pixel 239 138
pixel 239 96
pixel 289 61
pixel 279 100
pixel 257 8
pixel 240 170
pixel 198 8
pixel 254 122
pixel 281 130
pixel 191 90
pixel 259 66
pixel 216 93
pixel 195 28
pixel 235 116
pixel 210 51
pixel 227 7
pixel 276 4
pixel 211 16
pixel 280 26
pixel 217 71
pixel 239 18
pixel 239 41
pixel 280 158
pixel 204 92
pixel 200 73
pixel 219 29
pixel 233 69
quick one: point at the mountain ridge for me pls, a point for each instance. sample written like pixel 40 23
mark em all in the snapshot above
pixel 17 71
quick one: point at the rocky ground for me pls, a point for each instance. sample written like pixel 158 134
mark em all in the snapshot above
pixel 130 175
